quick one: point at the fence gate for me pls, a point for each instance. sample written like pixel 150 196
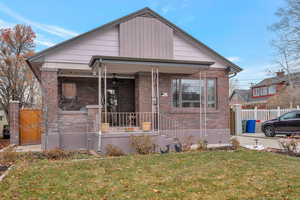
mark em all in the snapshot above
pixel 30 126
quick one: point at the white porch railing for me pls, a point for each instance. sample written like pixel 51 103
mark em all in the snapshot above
pixel 133 122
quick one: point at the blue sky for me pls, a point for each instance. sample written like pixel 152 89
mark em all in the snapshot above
pixel 237 29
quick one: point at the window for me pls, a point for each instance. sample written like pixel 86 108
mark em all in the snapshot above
pixel 290 115
pixel 186 93
pixel 272 89
pixel 211 93
pixel 1 118
pixel 69 90
pixel 264 91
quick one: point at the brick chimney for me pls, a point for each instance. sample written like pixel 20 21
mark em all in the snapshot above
pixel 280 74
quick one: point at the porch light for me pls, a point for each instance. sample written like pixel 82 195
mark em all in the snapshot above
pixel 114 80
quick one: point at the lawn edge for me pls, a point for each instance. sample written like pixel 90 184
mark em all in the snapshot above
pixel 5 173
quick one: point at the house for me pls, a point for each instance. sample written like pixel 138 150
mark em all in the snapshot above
pixel 149 77
pixel 239 97
pixel 266 93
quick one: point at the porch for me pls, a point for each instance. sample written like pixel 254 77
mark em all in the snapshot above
pixel 137 96
pixel 131 92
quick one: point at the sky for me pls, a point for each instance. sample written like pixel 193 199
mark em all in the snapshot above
pixel 237 29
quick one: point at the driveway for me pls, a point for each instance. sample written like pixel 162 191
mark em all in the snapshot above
pixel 260 138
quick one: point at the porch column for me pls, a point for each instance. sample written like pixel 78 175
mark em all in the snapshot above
pixel 14 128
pixel 105 93
pixel 50 130
pixel 205 103
pixel 157 98
pixel 200 106
pixel 152 99
pixel 99 105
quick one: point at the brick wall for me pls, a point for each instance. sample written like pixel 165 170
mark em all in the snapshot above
pixel 216 118
pixel 50 132
pixel 14 122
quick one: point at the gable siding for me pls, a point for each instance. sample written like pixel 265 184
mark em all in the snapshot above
pixel 183 50
pixel 80 51
pixel 146 37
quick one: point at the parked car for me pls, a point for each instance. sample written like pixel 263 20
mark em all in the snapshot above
pixel 287 124
pixel 5 132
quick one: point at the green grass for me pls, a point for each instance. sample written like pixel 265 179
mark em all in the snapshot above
pixel 199 175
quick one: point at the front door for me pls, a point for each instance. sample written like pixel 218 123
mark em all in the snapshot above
pixel 120 95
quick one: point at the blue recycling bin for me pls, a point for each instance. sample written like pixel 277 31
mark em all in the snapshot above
pixel 250 127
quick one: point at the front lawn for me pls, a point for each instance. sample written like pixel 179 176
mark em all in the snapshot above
pixel 198 175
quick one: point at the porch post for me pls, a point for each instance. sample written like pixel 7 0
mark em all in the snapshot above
pixel 152 96
pixel 200 108
pixel 99 105
pixel 205 102
pixel 105 91
pixel 157 98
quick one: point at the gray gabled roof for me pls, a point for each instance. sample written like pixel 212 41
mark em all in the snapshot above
pixel 145 11
pixel 275 80
pixel 244 94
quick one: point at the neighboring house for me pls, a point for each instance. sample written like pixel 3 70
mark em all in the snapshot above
pixel 239 96
pixel 266 93
pixel 146 72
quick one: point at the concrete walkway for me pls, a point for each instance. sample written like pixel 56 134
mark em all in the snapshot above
pixel 28 148
pixel 250 139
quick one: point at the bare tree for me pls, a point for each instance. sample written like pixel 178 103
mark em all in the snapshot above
pixel 16 79
pixel 287 44
pixel 289 25
pixel 233 85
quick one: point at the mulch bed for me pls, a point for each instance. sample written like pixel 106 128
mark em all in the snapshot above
pixel 4 143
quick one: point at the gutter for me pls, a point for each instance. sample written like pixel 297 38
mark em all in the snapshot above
pixel 234 74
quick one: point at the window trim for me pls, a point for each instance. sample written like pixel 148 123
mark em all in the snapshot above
pixel 205 88
pixel 259 91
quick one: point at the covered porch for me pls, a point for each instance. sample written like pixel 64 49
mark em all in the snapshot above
pixel 129 89
pixel 135 97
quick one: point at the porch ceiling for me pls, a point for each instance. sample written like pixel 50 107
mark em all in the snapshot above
pixel 127 65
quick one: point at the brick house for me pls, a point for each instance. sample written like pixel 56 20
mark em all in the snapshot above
pixel 147 75
pixel 268 93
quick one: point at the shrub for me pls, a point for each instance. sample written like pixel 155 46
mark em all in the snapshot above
pixel 112 150
pixel 8 157
pixel 235 143
pixel 142 144
pixel 57 154
pixel 202 145
pixel 289 146
pixel 187 143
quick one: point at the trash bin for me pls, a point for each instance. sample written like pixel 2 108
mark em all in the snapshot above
pixel 244 124
pixel 250 126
